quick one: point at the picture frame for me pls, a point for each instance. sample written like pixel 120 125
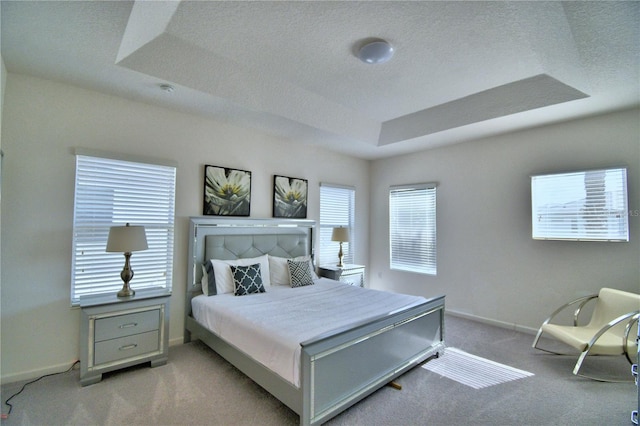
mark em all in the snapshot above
pixel 227 192
pixel 290 197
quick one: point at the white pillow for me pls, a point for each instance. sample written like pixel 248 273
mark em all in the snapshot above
pixel 279 269
pixel 224 276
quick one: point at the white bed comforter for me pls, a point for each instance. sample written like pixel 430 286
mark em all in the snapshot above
pixel 270 326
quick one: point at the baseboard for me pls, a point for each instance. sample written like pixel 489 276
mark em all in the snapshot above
pixel 34 374
pixel 176 341
pixel 501 324
pixel 59 368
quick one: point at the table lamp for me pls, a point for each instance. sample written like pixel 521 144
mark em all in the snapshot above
pixel 341 235
pixel 126 239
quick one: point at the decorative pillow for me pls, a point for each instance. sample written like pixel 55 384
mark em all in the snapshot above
pixel 279 269
pixel 300 273
pixel 224 277
pixel 204 281
pixel 247 279
pixel 208 279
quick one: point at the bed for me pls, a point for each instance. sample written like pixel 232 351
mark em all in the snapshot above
pixel 333 368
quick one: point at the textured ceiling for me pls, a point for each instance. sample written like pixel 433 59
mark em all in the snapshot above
pixel 461 70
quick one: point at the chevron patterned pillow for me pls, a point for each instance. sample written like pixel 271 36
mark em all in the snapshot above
pixel 300 273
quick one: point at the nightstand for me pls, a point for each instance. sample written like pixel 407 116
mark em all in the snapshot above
pixel 117 333
pixel 348 274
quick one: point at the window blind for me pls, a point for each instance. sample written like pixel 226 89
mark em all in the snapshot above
pixel 113 192
pixel 337 208
pixel 585 205
pixel 412 228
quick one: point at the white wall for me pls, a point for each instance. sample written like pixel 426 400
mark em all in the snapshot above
pixel 43 122
pixel 488 265
pixel 3 80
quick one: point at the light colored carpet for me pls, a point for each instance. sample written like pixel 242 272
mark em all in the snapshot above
pixel 472 370
pixel 198 387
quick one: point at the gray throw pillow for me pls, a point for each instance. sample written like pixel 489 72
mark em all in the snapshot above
pixel 211 276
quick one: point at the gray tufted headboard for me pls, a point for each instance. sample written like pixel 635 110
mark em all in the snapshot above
pixel 234 238
pixel 242 246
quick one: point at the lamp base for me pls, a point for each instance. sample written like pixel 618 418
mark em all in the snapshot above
pixel 340 257
pixel 126 275
pixel 126 291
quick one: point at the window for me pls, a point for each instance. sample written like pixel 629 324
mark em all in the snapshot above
pixel 587 205
pixel 337 207
pixel 112 192
pixel 412 228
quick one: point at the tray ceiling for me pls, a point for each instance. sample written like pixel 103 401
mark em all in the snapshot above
pixel 461 70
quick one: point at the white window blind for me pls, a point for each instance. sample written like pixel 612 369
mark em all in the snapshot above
pixel 111 192
pixel 337 208
pixel 586 205
pixel 412 228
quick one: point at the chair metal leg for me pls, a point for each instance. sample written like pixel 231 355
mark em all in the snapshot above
pixel 581 358
pixel 536 341
pixel 599 379
pixel 625 339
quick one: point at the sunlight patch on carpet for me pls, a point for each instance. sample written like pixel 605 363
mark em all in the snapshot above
pixel 472 370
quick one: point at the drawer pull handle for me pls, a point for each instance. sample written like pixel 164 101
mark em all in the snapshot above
pixel 127 347
pixel 131 324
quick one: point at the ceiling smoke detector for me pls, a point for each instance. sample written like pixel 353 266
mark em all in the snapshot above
pixel 167 88
pixel 375 52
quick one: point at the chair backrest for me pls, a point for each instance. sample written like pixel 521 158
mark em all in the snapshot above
pixel 611 304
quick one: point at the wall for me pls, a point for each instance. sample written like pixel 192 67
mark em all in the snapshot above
pixel 3 80
pixel 488 265
pixel 43 122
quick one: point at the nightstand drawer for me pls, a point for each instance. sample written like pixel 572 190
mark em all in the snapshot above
pixel 120 332
pixel 126 347
pixel 127 325
pixel 352 279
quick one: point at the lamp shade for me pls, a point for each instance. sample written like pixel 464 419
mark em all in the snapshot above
pixel 340 234
pixel 125 239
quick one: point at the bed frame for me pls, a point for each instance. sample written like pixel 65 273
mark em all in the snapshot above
pixel 339 368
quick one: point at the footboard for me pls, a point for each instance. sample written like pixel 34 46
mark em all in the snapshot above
pixel 341 369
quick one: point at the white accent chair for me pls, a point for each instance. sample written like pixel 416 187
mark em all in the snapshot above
pixel 607 333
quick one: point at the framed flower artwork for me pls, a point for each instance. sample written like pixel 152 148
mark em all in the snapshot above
pixel 289 197
pixel 227 192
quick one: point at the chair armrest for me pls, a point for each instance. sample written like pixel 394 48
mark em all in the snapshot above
pixel 581 301
pixel 631 316
pixel 625 344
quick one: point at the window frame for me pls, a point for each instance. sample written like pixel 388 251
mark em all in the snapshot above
pixel 328 250
pixel 402 254
pixel 582 205
pixel 112 190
